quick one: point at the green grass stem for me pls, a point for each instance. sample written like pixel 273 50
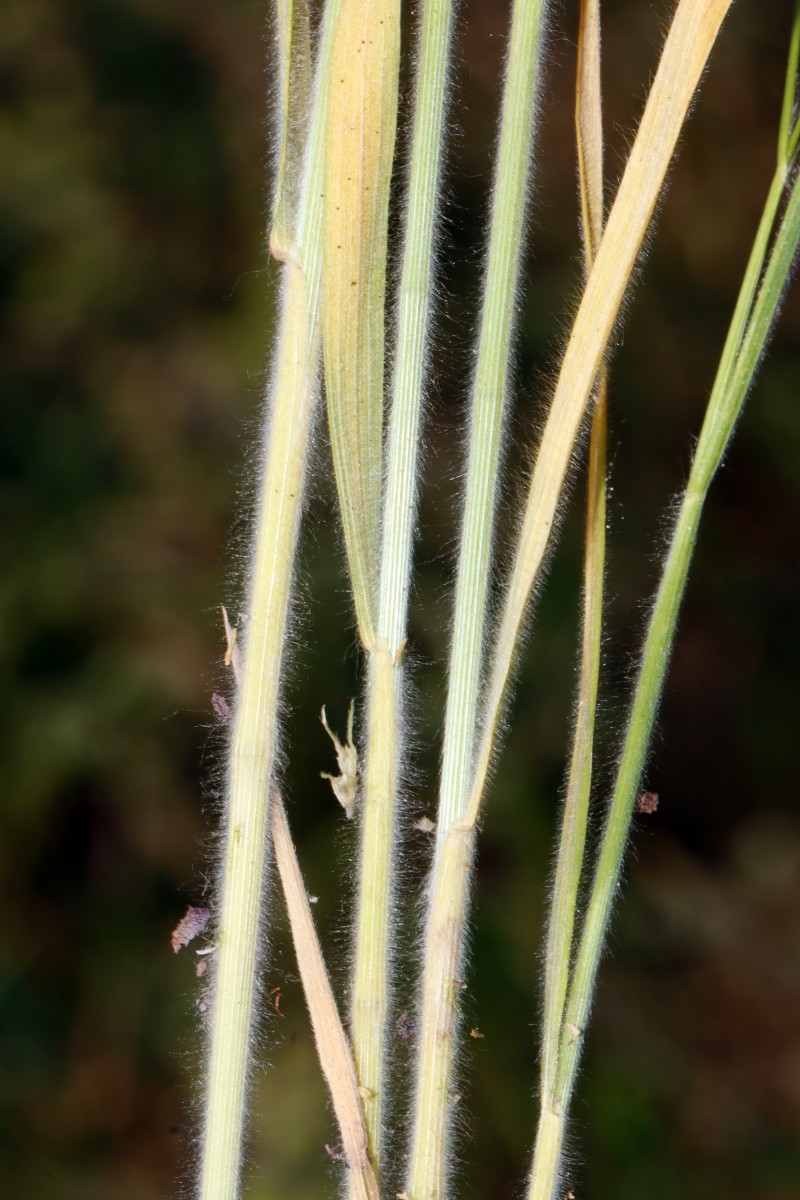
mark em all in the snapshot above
pixel 759 298
pixel 724 408
pixel 453 854
pixel 293 394
pixel 413 317
pixel 688 45
pixel 293 30
pixel 572 843
pixel 362 127
pixel 372 969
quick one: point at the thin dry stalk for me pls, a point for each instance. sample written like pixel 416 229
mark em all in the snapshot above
pixel 333 1046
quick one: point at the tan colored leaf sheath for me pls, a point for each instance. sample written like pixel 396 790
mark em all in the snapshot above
pixel 361 128
pixel 686 50
pixel 333 1047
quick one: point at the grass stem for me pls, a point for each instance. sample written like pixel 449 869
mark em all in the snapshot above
pixel 569 861
pixel 372 970
pixel 362 125
pixel 758 302
pixel 448 888
pixel 765 278
pixel 689 42
pixel 292 398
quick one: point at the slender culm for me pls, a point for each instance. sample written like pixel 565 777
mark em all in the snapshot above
pixel 292 396
pixel 765 278
pixel 354 235
pixel 759 298
pixel 362 123
pixel 572 842
pixel 449 883
pixel 377 871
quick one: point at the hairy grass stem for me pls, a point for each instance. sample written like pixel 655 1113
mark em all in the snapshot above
pixel 686 50
pixel 338 91
pixel 427 1177
pixel 569 861
pixel 765 279
pixel 371 979
pixel 292 397
pixel 737 371
pixel 362 124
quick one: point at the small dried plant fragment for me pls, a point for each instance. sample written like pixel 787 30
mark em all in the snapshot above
pixel 345 784
pixel 647 802
pixel 221 707
pixel 233 653
pixel 190 926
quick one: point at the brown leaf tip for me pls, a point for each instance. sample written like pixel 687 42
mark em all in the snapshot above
pixel 192 923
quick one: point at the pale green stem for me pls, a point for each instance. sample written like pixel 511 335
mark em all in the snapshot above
pixel 689 42
pixel 371 979
pixel 362 128
pixel 569 863
pixel 748 334
pixel 449 888
pixel 753 316
pixel 547 1153
pixel 444 937
pixel 789 131
pixel 506 239
pixel 724 407
pixel 293 396
pixel 371 974
pixel 252 753
pixel 294 57
pixel 414 305
pixel 572 841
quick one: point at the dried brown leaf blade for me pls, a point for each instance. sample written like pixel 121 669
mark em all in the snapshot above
pixel 333 1046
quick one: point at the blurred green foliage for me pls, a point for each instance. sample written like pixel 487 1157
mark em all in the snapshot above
pixel 137 308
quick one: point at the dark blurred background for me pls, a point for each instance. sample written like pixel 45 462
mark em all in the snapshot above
pixel 137 314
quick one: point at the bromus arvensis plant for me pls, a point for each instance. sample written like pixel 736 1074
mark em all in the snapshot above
pixel 331 234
